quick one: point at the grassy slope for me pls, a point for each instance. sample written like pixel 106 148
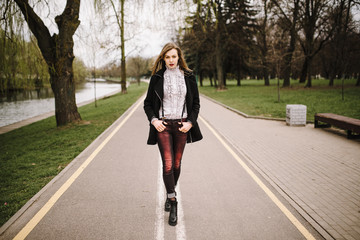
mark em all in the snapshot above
pixel 253 98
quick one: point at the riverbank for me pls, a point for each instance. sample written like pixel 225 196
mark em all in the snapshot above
pixel 29 104
pixel 32 155
pixel 28 121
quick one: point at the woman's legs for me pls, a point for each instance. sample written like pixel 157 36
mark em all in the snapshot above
pixel 179 146
pixel 171 144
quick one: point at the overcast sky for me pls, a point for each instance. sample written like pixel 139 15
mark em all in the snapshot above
pixel 149 25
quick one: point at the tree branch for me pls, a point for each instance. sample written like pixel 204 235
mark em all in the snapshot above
pixel 282 11
pixel 38 28
pixel 68 21
pixel 5 10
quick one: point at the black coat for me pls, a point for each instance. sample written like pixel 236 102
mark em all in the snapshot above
pixel 155 95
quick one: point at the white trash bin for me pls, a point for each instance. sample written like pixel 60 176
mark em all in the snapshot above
pixel 296 115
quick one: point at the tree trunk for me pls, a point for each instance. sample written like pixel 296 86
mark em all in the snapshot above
pixel 266 75
pixel 57 51
pixel 265 64
pixel 264 47
pixel 219 63
pixel 215 78
pixel 312 22
pixel 64 93
pixel 340 39
pixel 358 81
pixel 123 61
pixel 289 52
pixel 123 76
pixel 304 71
pixel 238 78
pixel 138 80
pixel 291 48
pixel 219 27
pixel 309 83
pixel 331 80
pixel 287 71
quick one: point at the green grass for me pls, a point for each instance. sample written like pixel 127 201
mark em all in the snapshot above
pixel 253 98
pixel 32 155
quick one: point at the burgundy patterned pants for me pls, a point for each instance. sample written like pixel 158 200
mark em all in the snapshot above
pixel 171 143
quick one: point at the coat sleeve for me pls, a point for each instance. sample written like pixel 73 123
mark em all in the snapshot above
pixel 149 100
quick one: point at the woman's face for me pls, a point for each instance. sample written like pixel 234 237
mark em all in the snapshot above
pixel 171 58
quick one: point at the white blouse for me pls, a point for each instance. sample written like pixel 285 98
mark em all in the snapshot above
pixel 174 94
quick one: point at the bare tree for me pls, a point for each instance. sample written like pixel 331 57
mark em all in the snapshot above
pixel 137 67
pixel 314 22
pixel 122 44
pixel 262 39
pixel 290 15
pixel 341 19
pixel 217 8
pixel 118 9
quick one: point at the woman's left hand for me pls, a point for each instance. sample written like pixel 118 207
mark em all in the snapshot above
pixel 185 127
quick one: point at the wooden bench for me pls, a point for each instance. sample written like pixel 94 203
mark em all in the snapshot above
pixel 351 125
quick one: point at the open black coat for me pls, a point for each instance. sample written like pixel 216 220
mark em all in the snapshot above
pixel 154 98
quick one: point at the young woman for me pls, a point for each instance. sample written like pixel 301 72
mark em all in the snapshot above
pixel 172 106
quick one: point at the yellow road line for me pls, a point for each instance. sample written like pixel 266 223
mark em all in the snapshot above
pixel 45 209
pixel 268 192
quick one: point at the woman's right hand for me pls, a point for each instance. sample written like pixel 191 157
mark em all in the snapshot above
pixel 158 124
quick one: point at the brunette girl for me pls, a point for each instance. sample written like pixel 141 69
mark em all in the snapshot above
pixel 172 106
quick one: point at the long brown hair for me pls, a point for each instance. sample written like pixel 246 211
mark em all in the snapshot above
pixel 160 62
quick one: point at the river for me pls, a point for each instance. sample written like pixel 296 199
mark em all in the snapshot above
pixel 28 104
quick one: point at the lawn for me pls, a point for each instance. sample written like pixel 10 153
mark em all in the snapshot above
pixel 32 155
pixel 254 98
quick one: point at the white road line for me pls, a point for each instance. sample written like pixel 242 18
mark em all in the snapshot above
pixel 159 224
pixel 268 192
pixel 160 212
pixel 180 227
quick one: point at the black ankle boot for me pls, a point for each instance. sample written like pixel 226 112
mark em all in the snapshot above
pixel 167 205
pixel 173 213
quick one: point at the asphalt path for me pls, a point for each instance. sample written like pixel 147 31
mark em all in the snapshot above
pixel 114 190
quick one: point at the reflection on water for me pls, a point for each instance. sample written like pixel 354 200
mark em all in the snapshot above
pixel 23 95
pixel 22 105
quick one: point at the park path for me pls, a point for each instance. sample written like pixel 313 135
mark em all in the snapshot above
pixel 247 179
pixel 316 170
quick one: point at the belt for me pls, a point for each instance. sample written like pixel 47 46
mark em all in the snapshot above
pixel 174 120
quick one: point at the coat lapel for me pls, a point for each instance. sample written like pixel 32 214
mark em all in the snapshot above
pixel 188 90
pixel 159 86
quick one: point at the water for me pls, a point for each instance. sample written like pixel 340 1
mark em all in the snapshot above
pixel 28 104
